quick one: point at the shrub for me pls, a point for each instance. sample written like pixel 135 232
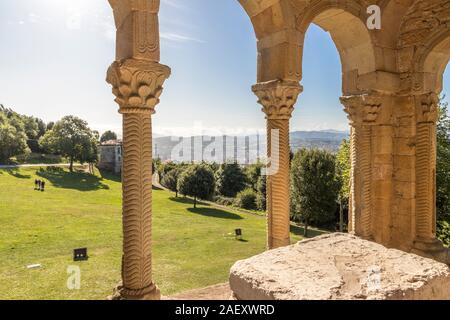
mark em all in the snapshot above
pixel 246 199
pixel 224 201
pixel 443 232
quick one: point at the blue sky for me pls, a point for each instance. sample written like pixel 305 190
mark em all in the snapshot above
pixel 55 54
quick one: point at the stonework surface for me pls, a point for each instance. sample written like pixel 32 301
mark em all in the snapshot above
pixel 339 266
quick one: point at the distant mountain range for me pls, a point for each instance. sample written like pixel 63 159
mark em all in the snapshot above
pixel 243 148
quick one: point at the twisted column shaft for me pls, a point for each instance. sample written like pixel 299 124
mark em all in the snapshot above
pixel 426 117
pixel 363 113
pixel 137 85
pixel 137 204
pixel 278 200
pixel 278 99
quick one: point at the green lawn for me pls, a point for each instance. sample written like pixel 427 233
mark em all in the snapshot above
pixel 191 247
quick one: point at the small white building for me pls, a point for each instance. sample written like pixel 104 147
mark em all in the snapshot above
pixel 110 156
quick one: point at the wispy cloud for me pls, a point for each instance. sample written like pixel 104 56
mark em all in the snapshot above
pixel 175 37
pixel 173 4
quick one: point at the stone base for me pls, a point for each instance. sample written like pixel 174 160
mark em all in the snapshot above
pixel 120 293
pixel 339 266
pixel 433 249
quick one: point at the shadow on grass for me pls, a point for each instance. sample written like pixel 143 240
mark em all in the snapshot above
pixel 76 180
pixel 15 173
pixel 299 231
pixel 215 213
pixel 110 176
pixel 107 175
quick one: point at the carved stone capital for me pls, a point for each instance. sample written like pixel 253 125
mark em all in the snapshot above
pixel 278 98
pixel 362 109
pixel 427 108
pixel 137 84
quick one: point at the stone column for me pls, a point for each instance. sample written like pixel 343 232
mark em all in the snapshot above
pixel 278 98
pixel 137 85
pixel 137 78
pixel 425 218
pixel 363 113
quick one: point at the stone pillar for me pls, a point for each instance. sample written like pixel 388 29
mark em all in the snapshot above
pixel 137 79
pixel 278 98
pixel 363 113
pixel 425 217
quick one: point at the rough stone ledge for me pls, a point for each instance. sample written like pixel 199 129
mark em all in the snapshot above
pixel 339 266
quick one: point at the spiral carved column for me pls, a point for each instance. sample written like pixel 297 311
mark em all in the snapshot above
pixel 278 99
pixel 425 218
pixel 363 113
pixel 137 85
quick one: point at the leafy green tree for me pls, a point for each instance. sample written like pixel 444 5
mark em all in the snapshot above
pixel 31 127
pixel 343 168
pixel 230 179
pixel 42 127
pixel 72 138
pixel 50 126
pixel 261 193
pixel 314 188
pixel 198 182
pixel 165 167
pixel 108 135
pixel 253 173
pixel 170 180
pixel 13 140
pixel 443 174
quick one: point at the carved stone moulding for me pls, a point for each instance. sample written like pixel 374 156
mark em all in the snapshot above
pixel 137 84
pixel 427 108
pixel 278 98
pixel 362 109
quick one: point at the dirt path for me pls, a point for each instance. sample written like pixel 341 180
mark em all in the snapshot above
pixel 61 165
pixel 218 292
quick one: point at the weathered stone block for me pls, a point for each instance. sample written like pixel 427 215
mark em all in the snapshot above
pixel 339 266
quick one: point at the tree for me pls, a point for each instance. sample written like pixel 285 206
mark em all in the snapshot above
pixel 13 140
pixel 261 193
pixel 197 181
pixel 50 126
pixel 108 135
pixel 71 138
pixel 42 127
pixel 343 168
pixel 314 187
pixel 230 179
pixel 253 173
pixel 170 180
pixel 443 174
pixel 31 127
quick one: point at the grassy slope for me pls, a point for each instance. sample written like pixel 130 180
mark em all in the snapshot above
pixel 190 246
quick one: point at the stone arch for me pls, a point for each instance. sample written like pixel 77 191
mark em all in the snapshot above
pixel 274 26
pixel 356 48
pixel 423 29
pixel 433 61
